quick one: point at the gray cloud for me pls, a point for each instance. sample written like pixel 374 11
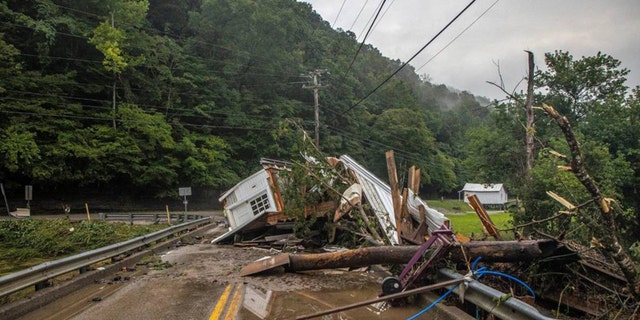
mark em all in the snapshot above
pixel 582 27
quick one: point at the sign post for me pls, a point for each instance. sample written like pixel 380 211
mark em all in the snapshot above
pixel 184 192
pixel 28 194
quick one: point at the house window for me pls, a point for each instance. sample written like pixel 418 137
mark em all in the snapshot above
pixel 259 204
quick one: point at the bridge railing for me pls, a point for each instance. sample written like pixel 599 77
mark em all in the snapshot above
pixel 132 217
pixel 38 274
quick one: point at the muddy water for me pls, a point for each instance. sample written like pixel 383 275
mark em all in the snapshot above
pixel 259 304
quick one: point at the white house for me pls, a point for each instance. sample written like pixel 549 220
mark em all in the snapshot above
pixel 248 204
pixel 487 193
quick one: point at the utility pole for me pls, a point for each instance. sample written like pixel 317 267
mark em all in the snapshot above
pixel 315 87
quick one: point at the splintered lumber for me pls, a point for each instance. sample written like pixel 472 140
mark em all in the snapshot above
pixel 484 217
pixel 395 192
pixel 490 251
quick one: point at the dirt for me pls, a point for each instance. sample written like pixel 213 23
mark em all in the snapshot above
pixel 189 280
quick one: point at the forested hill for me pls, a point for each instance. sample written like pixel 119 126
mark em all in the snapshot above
pixel 142 97
pixel 150 95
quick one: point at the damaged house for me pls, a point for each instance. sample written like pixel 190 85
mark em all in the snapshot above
pixel 256 203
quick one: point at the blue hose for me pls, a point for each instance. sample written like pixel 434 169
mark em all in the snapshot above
pixel 479 273
pixel 442 297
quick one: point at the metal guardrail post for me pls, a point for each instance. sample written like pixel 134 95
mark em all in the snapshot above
pixel 41 273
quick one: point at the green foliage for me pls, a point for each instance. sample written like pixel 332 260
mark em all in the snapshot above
pixel 307 184
pixel 204 89
pixel 31 241
pixel 18 148
pixel 583 83
pixel 107 39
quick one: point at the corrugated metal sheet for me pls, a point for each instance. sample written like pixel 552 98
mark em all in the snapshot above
pixel 378 194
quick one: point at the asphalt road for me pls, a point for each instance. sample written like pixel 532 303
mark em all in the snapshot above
pixel 200 280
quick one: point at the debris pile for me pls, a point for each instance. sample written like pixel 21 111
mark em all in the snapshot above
pixel 342 202
pixel 297 207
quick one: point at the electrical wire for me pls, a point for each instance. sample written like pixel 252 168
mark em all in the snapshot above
pixel 200 59
pixel 384 13
pixel 459 34
pixel 365 38
pixel 371 22
pixel 186 124
pixel 408 61
pixel 401 154
pixel 339 12
pixel 358 15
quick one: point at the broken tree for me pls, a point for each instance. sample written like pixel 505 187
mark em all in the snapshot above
pixel 491 251
pixel 603 223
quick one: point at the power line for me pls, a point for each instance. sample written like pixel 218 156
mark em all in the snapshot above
pixel 400 152
pixel 459 34
pixel 339 12
pixel 410 59
pixel 371 20
pixel 358 16
pixel 129 121
pixel 365 37
pixel 384 13
pixel 198 58
pixel 182 113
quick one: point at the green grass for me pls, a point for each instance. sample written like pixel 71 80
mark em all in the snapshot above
pixel 465 221
pixel 449 206
pixel 24 243
pixel 469 224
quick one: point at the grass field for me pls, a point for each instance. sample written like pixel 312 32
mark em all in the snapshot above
pixel 469 224
pixel 465 221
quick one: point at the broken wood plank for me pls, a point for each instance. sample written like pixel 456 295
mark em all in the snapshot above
pixel 278 237
pixel 405 217
pixel 561 200
pixel 395 192
pixel 484 217
pixel 265 263
pixel 418 235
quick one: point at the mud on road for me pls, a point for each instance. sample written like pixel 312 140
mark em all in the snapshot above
pixel 199 272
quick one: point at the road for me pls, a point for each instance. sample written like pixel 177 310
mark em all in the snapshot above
pixel 199 280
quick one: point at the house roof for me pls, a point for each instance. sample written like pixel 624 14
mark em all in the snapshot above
pixel 483 187
pixel 228 192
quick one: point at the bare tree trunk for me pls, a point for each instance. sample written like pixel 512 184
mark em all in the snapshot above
pixel 604 225
pixel 490 251
pixel 529 111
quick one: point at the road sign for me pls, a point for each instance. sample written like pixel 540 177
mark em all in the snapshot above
pixel 185 191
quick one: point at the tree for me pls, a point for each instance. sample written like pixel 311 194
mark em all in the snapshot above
pixel 405 131
pixel 582 84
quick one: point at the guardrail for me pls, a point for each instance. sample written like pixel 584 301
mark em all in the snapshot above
pixel 38 274
pixel 155 217
pixel 490 299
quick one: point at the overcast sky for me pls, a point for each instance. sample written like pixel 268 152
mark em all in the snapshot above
pixel 582 27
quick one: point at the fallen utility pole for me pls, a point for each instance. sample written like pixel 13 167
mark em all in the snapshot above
pixel 490 251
